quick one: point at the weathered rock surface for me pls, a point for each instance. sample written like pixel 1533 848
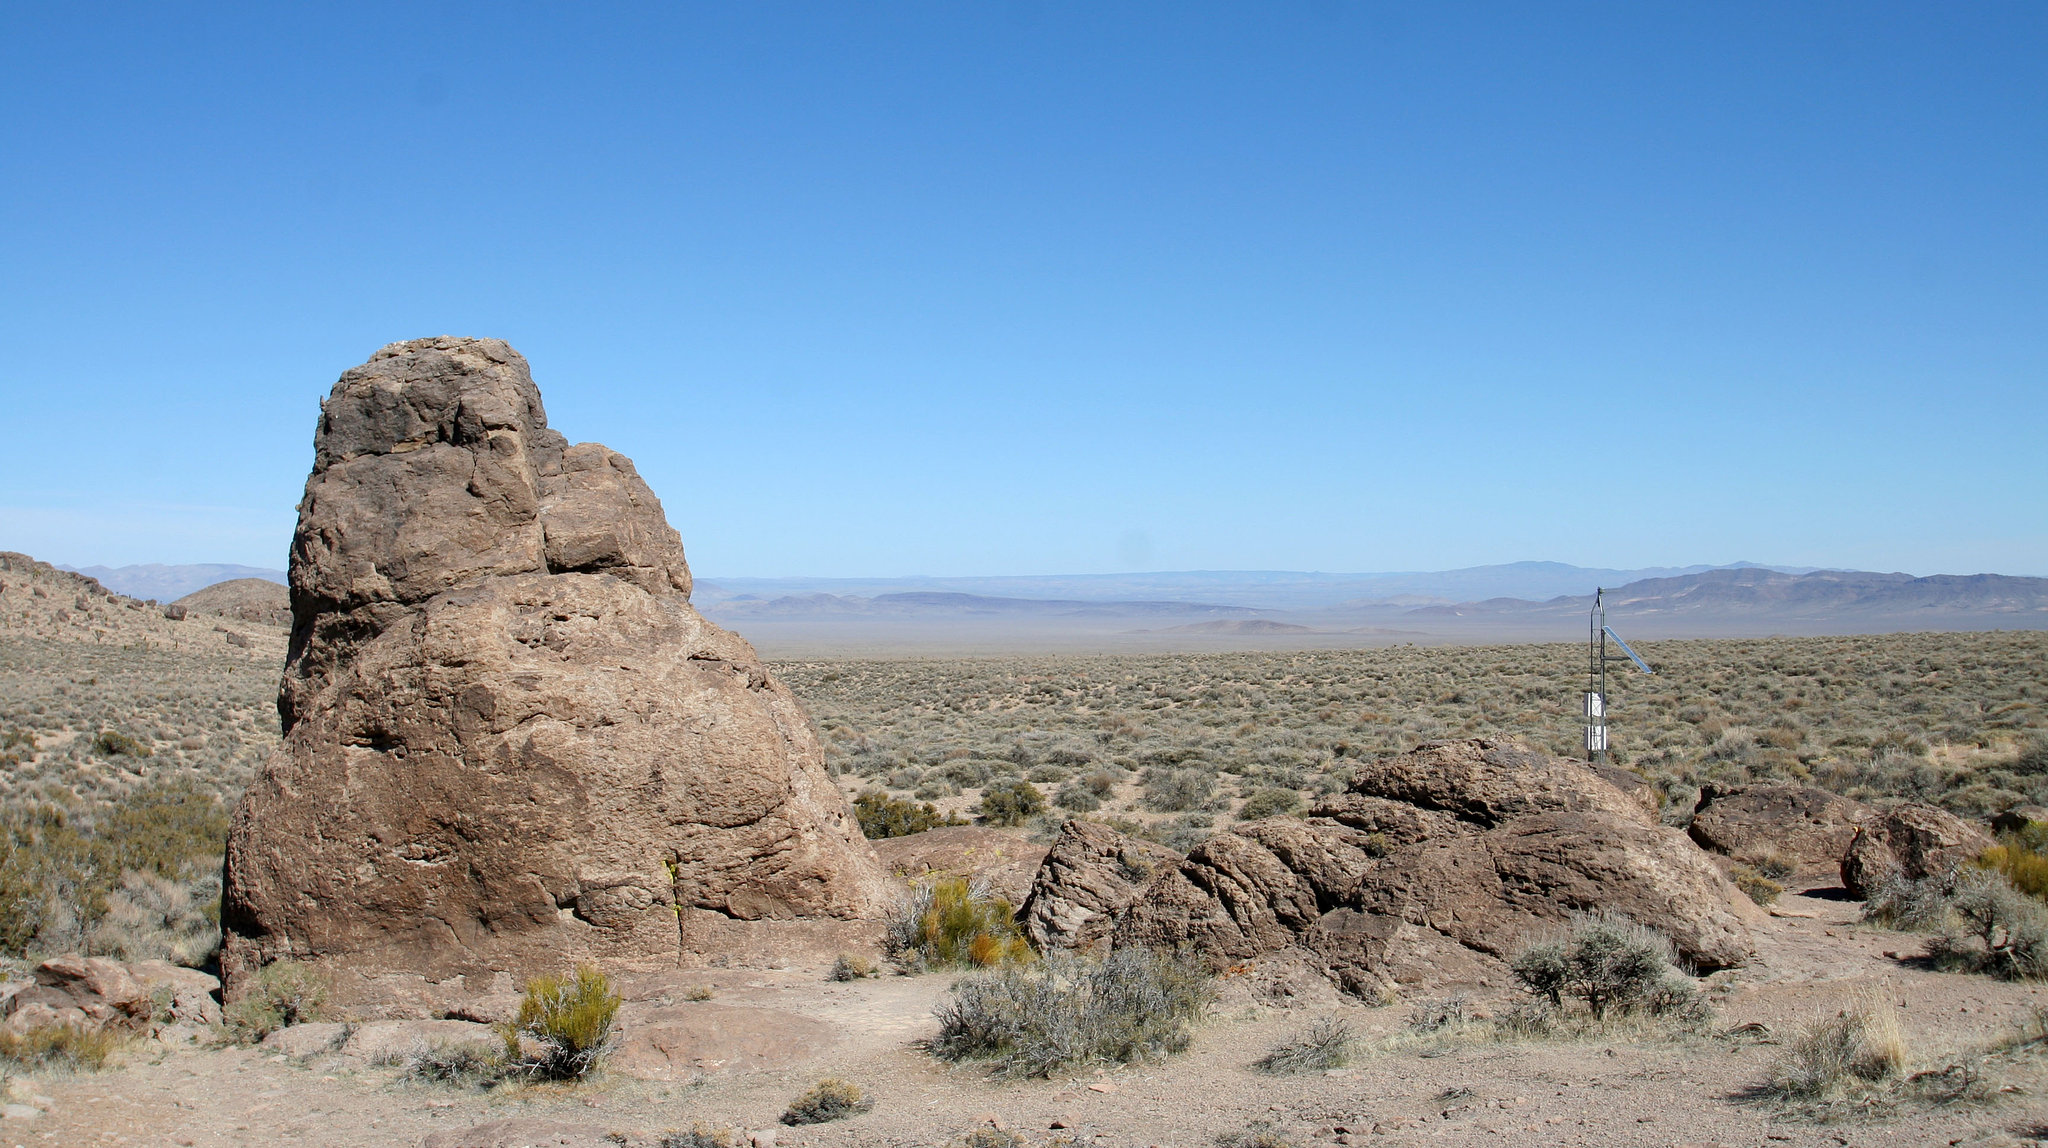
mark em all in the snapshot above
pixel 1908 843
pixel 523 1132
pixel 1808 826
pixel 85 992
pixel 1091 874
pixel 1002 858
pixel 682 1042
pixel 510 741
pixel 1436 863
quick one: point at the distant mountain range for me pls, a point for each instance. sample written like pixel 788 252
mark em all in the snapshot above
pixel 1518 601
pixel 1258 589
pixel 166 583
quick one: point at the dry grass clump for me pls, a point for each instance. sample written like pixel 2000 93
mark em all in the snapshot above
pixel 2021 857
pixel 829 1099
pixel 1859 1046
pixel 1755 885
pixel 853 967
pixel 284 993
pixel 1257 1134
pixel 1326 1043
pixel 565 1027
pixel 1066 1011
pixel 951 923
pixel 463 1064
pixel 66 1047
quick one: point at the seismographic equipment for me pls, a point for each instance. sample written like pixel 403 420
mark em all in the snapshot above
pixel 1596 683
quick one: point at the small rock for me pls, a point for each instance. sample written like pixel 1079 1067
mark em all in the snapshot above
pixel 1102 1086
pixel 20 1112
pixel 763 1138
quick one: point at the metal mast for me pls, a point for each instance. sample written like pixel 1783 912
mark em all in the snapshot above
pixel 1597 656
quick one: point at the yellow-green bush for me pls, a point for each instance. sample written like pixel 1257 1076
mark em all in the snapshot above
pixel 570 1023
pixel 284 993
pixel 73 1047
pixel 953 923
pixel 2022 856
pixel 881 816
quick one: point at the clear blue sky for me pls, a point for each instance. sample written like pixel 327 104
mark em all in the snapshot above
pixel 983 288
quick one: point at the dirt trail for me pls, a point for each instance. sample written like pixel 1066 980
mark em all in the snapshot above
pixel 1619 1093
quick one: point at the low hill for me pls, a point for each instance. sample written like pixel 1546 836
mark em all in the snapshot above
pixel 244 599
pixel 165 582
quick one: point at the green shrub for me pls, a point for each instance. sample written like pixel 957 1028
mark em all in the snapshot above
pixel 1067 1011
pixel 1325 1044
pixel 952 923
pixel 1269 802
pixel 1760 888
pixel 569 1022
pixel 58 868
pixel 1177 790
pixel 1010 802
pixel 1077 798
pixel 76 1048
pixel 829 1099
pixel 1606 960
pixel 882 816
pixel 284 993
pixel 1992 928
pixel 111 744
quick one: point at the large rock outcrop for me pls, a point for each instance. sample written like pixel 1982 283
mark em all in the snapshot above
pixel 510 742
pixel 1906 844
pixel 1435 864
pixel 1810 827
pixel 1088 878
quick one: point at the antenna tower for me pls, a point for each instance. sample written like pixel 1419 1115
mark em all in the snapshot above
pixel 1596 676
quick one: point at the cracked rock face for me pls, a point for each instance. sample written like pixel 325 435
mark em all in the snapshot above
pixel 510 742
pixel 1436 864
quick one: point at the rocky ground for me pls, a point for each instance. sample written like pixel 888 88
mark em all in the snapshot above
pixel 765 1036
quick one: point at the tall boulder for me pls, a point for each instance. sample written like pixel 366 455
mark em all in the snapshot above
pixel 1438 862
pixel 510 742
pixel 1091 874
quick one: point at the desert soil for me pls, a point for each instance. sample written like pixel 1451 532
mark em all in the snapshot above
pixel 759 1045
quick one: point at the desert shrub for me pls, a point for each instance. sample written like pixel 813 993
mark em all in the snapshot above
pixel 1325 1043
pixel 1269 802
pixel 1177 790
pixel 1606 960
pixel 703 1136
pixel 284 993
pixel 1769 862
pixel 1066 1011
pixel 111 744
pixel 1913 906
pixel 1010 803
pixel 2022 859
pixel 1992 928
pixel 1078 798
pixel 459 1064
pixel 852 967
pixel 951 923
pixel 1861 1044
pixel 154 918
pixel 829 1099
pixel 77 1048
pixel 1257 1134
pixel 882 816
pixel 565 1026
pixel 1436 1015
pixel 1758 887
pixel 698 993
pixel 58 868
